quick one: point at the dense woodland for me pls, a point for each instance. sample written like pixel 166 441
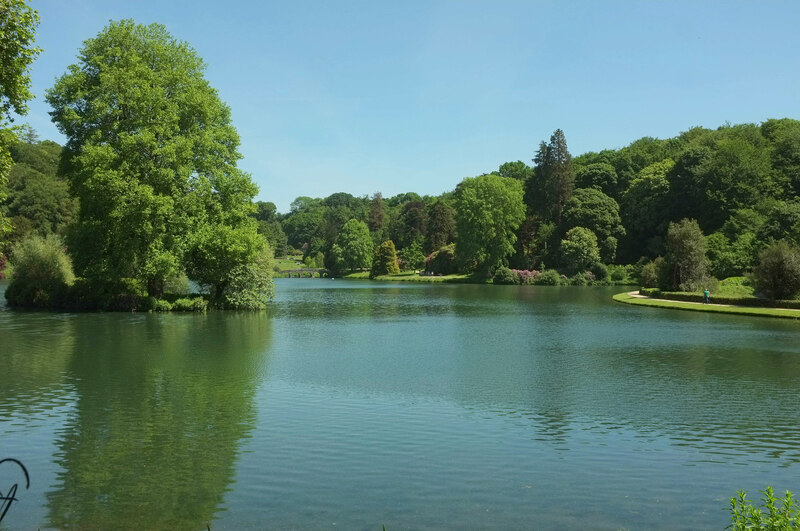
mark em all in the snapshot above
pixel 741 183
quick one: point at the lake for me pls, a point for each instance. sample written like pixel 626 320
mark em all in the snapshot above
pixel 352 405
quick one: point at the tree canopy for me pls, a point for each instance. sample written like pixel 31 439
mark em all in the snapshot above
pixel 489 210
pixel 151 155
pixel 17 52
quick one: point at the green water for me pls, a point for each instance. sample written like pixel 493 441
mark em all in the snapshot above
pixel 353 405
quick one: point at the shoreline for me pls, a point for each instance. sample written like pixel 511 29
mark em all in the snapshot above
pixel 634 298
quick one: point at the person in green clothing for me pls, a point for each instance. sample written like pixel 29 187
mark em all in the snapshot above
pixel 706 295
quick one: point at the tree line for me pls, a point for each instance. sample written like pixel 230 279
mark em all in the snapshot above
pixel 737 187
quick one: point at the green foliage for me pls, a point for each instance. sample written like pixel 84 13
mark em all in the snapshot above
pixel 579 250
pixel 489 210
pixel 621 274
pixel 385 260
pixel 515 170
pixel 198 304
pixel 443 261
pixel 42 271
pixel 503 275
pixel 38 201
pixel 553 179
pixel 686 263
pixel 161 305
pixel 178 284
pixel 354 246
pixel 410 224
pixel 151 155
pixel 652 273
pixel 645 210
pixel 17 32
pixel 441 225
pixel 730 258
pixel 549 277
pixel 600 271
pixel 592 209
pixel 774 514
pixel 777 274
pixel 600 176
pixel 317 261
pixel 220 257
pixel 412 256
pixel 248 285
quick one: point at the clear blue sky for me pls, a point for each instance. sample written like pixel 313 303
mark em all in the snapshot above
pixel 397 96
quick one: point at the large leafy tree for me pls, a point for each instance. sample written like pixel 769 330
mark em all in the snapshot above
pixel 489 210
pixel 594 210
pixel 645 210
pixel 579 250
pixel 515 170
pixel 353 248
pixel 441 225
pixel 17 32
pixel 600 175
pixel 686 263
pixel 151 154
pixel 777 274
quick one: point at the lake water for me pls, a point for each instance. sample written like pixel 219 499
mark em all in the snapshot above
pixel 352 405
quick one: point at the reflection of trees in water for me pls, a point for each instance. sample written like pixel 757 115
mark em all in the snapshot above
pixel 163 402
pixel 35 349
pixel 724 402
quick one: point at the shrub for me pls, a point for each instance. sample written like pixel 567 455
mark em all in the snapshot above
pixel 600 271
pixel 579 279
pixel 443 261
pixel 652 273
pixel 160 305
pixel 196 304
pixel 504 275
pixel 315 261
pixel 42 272
pixel 774 513
pixel 525 276
pixel 548 278
pixel 777 274
pixel 620 273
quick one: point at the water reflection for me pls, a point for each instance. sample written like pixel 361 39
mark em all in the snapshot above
pixel 163 403
pixel 35 349
pixel 559 359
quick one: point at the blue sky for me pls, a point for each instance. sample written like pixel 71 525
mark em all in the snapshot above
pixel 366 96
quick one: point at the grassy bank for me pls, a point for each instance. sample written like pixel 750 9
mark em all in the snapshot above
pixel 625 298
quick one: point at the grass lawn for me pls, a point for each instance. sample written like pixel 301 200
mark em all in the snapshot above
pixel 284 264
pixel 625 298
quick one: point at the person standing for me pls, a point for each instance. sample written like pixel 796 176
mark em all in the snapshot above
pixel 706 295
